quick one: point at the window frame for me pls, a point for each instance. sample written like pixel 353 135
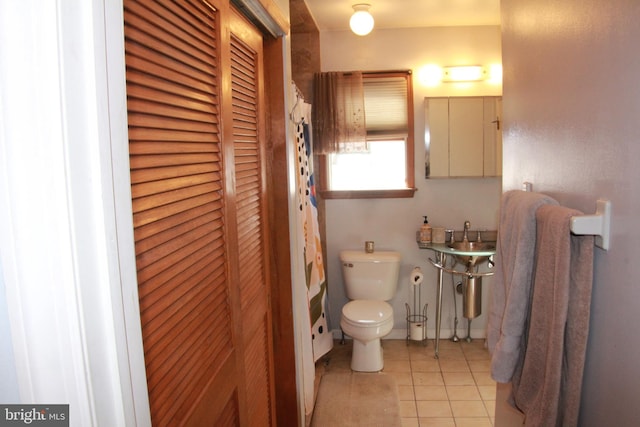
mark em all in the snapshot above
pixel 408 192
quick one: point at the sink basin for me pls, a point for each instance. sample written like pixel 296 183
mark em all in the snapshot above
pixel 471 253
pixel 472 246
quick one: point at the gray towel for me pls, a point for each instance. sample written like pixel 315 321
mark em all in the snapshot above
pixel 549 386
pixel 515 250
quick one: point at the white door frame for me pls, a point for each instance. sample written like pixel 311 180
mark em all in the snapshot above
pixel 67 250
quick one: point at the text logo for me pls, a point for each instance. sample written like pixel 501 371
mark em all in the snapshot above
pixel 34 415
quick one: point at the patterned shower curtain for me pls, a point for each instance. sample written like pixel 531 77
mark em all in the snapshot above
pixel 316 284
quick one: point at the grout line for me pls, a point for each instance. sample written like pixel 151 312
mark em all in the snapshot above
pixel 413 359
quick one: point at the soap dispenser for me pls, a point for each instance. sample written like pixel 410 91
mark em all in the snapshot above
pixel 425 231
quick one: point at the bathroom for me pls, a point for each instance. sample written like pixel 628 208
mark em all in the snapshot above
pixel 392 222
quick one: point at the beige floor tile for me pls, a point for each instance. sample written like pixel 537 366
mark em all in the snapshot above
pixel 426 365
pixel 409 422
pixel 474 422
pixel 405 392
pixel 468 408
pixel 448 350
pixel 475 344
pixel 488 392
pixel 395 350
pixel 394 344
pixel 455 390
pixel 463 392
pixel 427 378
pixel 490 406
pixel 430 392
pixel 448 365
pixel 483 378
pixel 448 344
pixel 395 355
pixel 342 350
pixel 408 409
pixel 338 364
pixel 433 408
pixel 477 355
pixel 437 422
pixel 418 345
pixel 402 378
pixel 420 352
pixel 458 378
pixel 479 365
pixel 397 365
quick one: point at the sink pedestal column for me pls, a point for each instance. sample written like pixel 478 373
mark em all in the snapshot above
pixel 441 259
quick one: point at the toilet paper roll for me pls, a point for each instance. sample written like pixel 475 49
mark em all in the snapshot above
pixel 416 276
pixel 416 331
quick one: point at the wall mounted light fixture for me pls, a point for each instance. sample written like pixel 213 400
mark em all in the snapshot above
pixel 361 21
pixel 466 73
pixel 432 75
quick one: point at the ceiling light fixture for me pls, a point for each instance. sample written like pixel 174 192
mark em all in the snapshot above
pixel 361 21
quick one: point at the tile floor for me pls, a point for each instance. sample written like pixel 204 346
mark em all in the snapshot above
pixel 455 390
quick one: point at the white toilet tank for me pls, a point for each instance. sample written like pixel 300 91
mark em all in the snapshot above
pixel 370 275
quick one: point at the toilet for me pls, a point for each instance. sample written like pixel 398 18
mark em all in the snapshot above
pixel 370 279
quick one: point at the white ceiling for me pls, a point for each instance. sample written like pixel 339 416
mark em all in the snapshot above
pixel 335 14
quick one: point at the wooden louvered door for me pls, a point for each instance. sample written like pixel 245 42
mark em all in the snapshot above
pixel 251 213
pixel 194 91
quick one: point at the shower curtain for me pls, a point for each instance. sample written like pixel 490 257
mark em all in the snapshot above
pixel 312 250
pixel 309 244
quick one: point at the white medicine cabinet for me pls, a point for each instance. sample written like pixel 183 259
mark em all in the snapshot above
pixel 463 137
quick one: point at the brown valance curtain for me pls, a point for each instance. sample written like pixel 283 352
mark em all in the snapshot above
pixel 339 116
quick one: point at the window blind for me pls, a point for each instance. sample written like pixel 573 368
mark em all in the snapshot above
pixel 385 103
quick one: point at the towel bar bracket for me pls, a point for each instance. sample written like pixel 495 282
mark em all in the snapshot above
pixel 597 224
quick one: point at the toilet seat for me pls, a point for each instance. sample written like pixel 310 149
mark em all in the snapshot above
pixel 367 313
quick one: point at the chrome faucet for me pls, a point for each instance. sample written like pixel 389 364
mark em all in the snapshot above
pixel 465 237
pixel 452 237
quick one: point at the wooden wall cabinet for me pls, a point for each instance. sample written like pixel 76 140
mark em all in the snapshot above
pixel 463 137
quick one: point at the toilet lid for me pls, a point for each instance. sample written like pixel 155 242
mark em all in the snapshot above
pixel 367 311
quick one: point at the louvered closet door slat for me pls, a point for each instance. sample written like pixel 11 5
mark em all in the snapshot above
pixel 161 204
pixel 145 175
pixel 144 60
pixel 179 112
pixel 254 287
pixel 145 165
pixel 157 293
pixel 172 58
pixel 147 32
pixel 162 94
pixel 172 149
pixel 183 209
pixel 149 235
pixel 157 121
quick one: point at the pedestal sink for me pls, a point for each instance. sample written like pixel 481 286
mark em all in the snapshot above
pixel 470 254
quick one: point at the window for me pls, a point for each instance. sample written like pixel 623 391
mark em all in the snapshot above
pixel 383 167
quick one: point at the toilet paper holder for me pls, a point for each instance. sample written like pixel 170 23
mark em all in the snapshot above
pixel 416 320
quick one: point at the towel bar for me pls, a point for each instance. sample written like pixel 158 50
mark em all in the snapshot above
pixel 598 224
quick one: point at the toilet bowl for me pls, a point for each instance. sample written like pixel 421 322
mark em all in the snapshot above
pixel 370 280
pixel 366 321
